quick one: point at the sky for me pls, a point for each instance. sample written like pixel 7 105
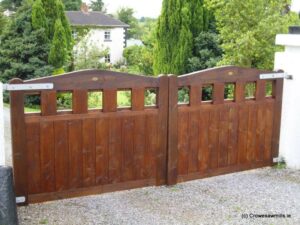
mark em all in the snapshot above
pixel 146 8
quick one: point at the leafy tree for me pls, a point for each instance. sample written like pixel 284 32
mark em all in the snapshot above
pixel 58 51
pixel 23 50
pixel 207 52
pixel 179 24
pixel 248 29
pixel 98 5
pixel 126 16
pixel 72 5
pixel 139 57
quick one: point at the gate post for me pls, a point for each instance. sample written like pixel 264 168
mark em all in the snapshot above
pixel 19 149
pixel 289 147
pixel 172 131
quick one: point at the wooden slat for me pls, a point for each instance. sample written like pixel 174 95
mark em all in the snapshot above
pixel 251 136
pixel 173 135
pixel 19 151
pixel 162 140
pixel 260 132
pixel 88 152
pixel 193 142
pixel 127 149
pixel 115 150
pixel 33 156
pixel 204 150
pixel 150 159
pixel 218 93
pixel 223 137
pixel 48 103
pixel 183 142
pixel 139 146
pixel 240 92
pixel 214 137
pixel 260 90
pixel 138 98
pixel 195 95
pixel 80 101
pixel 110 100
pixel 242 133
pixel 233 136
pixel 47 147
pixel 269 132
pixel 102 155
pixel 61 155
pixel 75 154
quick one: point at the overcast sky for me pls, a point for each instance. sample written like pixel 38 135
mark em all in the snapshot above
pixel 147 8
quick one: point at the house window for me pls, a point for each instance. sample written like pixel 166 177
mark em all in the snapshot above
pixel 107 35
pixel 107 58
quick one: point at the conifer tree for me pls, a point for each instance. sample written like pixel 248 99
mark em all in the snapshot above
pixel 180 22
pixel 38 16
pixel 58 49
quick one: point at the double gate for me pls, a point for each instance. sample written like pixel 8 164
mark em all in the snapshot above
pixel 61 154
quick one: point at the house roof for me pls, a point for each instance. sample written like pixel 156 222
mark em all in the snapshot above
pixel 98 19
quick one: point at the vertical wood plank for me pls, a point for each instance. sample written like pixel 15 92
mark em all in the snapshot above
pixel 183 142
pixel 19 151
pixel 48 103
pixel 269 132
pixel 242 133
pixel 162 149
pixel 173 135
pixel 251 136
pixel 138 98
pixel 233 136
pixel 223 137
pixel 102 156
pixel 139 146
pixel 240 91
pixel 151 158
pixel 127 149
pixel 88 152
pixel 195 95
pixel 214 137
pixel 204 149
pixel 260 90
pixel 193 142
pixel 260 133
pixel 109 100
pixel 33 156
pixel 80 101
pixel 218 93
pixel 47 157
pixel 115 150
pixel 75 154
pixel 61 155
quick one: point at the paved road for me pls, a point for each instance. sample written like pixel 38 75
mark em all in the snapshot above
pixel 7 136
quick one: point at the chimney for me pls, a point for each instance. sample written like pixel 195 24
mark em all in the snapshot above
pixel 84 8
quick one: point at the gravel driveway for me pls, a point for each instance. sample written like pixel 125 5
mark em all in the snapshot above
pixel 217 200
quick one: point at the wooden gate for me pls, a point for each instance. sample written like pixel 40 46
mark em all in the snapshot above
pixel 215 136
pixel 59 154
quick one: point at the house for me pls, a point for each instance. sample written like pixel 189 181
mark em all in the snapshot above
pixel 103 31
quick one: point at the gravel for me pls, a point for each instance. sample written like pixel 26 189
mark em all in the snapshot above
pixel 216 200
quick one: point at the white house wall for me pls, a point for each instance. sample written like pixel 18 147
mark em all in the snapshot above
pixel 95 37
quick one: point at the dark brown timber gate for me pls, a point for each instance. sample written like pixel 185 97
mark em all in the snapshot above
pixel 58 154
